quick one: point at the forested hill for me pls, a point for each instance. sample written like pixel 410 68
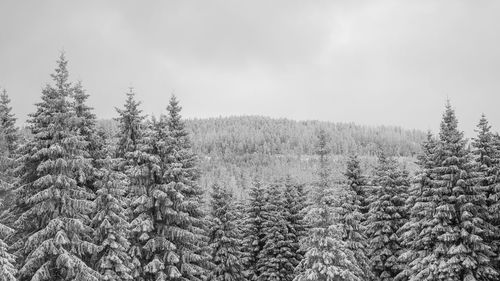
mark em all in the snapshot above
pixel 241 135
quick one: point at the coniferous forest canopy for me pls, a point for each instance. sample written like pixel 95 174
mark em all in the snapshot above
pixel 240 198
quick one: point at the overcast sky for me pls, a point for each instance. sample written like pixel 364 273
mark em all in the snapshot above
pixel 369 62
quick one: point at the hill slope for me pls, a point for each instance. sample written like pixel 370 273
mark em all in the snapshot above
pixel 235 150
pixel 227 136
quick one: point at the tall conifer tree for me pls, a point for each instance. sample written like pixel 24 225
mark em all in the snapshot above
pixel 254 234
pixel 352 209
pixel 9 131
pixel 168 234
pixel 9 142
pixel 139 162
pixel 450 245
pixel 295 204
pixel 486 178
pixel 186 224
pixel 224 238
pixel 357 183
pixel 130 125
pixel 276 260
pixel 86 127
pixel 327 255
pixel 418 206
pixel 110 223
pixel 53 227
pixel 386 216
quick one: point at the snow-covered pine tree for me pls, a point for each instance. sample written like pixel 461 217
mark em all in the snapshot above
pixel 467 255
pixel 147 238
pixel 110 223
pixel 357 182
pixel 9 137
pixel 87 129
pixel 418 206
pixel 327 257
pixel 486 178
pixel 350 209
pixel 295 204
pixel 87 121
pixel 167 228
pixel 9 131
pixel 494 200
pixel 130 125
pixel 8 270
pixel 53 231
pixel 276 258
pixel 386 215
pixel 450 246
pixel 253 230
pixel 182 217
pixel 224 238
pixel 135 161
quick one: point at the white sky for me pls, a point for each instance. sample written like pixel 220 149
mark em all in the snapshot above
pixel 369 62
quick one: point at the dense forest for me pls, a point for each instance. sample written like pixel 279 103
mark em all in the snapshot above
pixel 241 135
pixel 159 197
pixel 235 150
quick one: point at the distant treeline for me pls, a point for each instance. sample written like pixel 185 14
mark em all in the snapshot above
pixel 241 135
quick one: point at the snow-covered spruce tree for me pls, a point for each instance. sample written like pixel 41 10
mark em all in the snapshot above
pixel 295 204
pixel 276 260
pixel 86 127
pixel 87 122
pixel 386 215
pixel 418 206
pixel 467 254
pixel 357 182
pixel 224 238
pixel 486 178
pixel 253 230
pixel 327 256
pixel 130 125
pixel 494 200
pixel 7 269
pixel 140 165
pixel 450 246
pixel 240 215
pixel 350 208
pixel 186 224
pixel 168 236
pixel 9 131
pixel 9 137
pixel 110 223
pixel 53 229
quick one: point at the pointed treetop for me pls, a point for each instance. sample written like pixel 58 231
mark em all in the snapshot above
pixel 174 115
pixel 130 94
pixel 5 108
pixel 4 98
pixel 79 94
pixel 449 125
pixel 131 104
pixel 8 122
pixel 483 128
pixel 130 126
pixel 80 97
pixel 61 74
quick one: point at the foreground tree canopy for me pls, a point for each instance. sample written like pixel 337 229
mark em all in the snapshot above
pixel 79 203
